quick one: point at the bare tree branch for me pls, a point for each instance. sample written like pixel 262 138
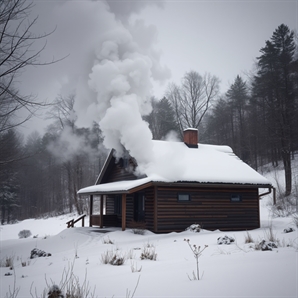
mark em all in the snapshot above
pixel 18 52
pixel 193 98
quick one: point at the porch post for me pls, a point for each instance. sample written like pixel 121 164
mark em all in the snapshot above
pixel 123 212
pixel 91 210
pixel 101 211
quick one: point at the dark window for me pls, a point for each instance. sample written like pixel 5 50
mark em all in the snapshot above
pixel 183 197
pixel 117 205
pixel 236 198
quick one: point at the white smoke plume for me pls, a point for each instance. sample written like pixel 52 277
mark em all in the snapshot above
pixel 68 145
pixel 112 60
pixel 121 79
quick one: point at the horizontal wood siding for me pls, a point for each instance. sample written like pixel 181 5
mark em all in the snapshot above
pixel 110 218
pixel 110 205
pixel 149 208
pixel 120 174
pixel 117 172
pixel 149 211
pixel 129 209
pixel 211 208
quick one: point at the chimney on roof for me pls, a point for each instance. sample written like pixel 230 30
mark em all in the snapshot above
pixel 190 137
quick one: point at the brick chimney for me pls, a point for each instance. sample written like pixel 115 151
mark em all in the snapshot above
pixel 190 137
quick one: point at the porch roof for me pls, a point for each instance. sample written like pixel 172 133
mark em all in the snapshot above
pixel 129 186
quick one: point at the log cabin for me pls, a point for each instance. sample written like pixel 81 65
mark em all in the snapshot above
pixel 185 183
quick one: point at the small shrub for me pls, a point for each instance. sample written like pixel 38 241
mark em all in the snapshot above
pixel 269 235
pixel 225 240
pixel 117 260
pixel 112 258
pixel 196 228
pixel 148 252
pixel 24 234
pixel 248 238
pixel 55 292
pixel 69 284
pixel 36 253
pixel 289 230
pixel 106 257
pixel 138 227
pixel 265 245
pixel 8 274
pixel 285 206
pixel 7 262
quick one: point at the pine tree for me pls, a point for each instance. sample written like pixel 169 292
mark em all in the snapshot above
pixel 237 97
pixel 274 85
pixel 162 119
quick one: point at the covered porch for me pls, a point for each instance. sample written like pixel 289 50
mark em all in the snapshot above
pixel 116 204
pixel 107 220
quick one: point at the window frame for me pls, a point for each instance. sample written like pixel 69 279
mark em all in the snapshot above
pixel 235 198
pixel 183 194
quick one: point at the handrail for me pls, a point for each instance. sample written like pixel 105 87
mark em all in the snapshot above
pixel 71 223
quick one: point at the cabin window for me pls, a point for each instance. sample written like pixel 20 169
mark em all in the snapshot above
pixel 183 197
pixel 235 198
pixel 117 205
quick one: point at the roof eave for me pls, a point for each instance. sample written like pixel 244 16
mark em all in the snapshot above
pixel 180 183
pixel 214 184
pixel 104 168
pixel 120 191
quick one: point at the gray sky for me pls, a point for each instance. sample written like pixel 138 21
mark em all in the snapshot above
pixel 219 37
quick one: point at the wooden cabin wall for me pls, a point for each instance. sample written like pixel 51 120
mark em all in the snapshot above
pixel 110 205
pixel 149 208
pixel 117 172
pixel 110 208
pixel 210 207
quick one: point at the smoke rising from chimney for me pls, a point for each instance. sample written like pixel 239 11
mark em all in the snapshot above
pixel 121 81
pixel 112 59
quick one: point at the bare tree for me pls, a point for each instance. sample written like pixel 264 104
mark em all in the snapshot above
pixel 17 52
pixel 63 112
pixel 192 99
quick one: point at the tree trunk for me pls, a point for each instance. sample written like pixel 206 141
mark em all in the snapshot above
pixel 288 171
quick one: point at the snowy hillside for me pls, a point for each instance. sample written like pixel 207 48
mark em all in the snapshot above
pixel 235 270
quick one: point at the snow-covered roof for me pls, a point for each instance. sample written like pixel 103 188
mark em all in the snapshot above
pixel 175 162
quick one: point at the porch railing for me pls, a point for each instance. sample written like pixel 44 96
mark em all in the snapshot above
pixel 71 223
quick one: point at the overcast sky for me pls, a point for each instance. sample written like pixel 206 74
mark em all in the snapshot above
pixel 219 37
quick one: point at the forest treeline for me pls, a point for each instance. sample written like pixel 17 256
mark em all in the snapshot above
pixel 257 117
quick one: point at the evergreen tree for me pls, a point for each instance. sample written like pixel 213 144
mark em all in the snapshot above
pixel 162 119
pixel 274 86
pixel 237 97
pixel 10 155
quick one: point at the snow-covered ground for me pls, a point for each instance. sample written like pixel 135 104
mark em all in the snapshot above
pixel 235 270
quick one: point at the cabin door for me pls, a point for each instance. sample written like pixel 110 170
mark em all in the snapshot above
pixel 139 207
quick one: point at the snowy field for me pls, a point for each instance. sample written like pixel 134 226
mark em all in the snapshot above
pixel 235 270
